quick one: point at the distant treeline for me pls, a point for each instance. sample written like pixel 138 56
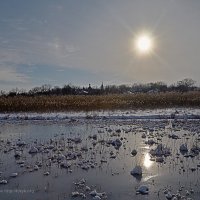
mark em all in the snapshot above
pixel 184 85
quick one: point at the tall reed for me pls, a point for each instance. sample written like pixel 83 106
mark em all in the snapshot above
pixel 102 102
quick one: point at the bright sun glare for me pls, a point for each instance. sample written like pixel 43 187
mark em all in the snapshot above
pixel 147 163
pixel 144 44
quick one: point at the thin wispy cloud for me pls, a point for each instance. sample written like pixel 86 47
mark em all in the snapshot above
pixel 96 37
pixel 11 75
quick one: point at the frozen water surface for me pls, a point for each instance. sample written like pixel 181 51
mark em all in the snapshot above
pixel 82 153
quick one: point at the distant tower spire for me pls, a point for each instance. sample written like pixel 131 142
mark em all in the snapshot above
pixel 89 89
pixel 102 87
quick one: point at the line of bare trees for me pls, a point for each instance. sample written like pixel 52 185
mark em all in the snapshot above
pixel 184 85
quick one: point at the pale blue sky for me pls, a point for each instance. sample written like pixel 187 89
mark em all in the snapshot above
pixel 89 41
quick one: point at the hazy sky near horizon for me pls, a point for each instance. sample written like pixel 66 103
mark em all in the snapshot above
pixel 90 41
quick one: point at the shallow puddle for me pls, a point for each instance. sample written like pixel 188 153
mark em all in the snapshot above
pixel 99 151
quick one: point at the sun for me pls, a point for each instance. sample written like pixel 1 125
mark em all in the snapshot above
pixel 143 44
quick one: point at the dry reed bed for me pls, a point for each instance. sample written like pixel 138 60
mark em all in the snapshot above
pixel 105 102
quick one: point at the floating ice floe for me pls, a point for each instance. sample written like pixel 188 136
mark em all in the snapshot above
pixel 13 175
pixel 33 150
pixel 94 193
pixel 8 141
pixel 77 140
pixel 193 169
pixel 85 167
pixel 134 152
pixel 72 155
pixel 84 148
pixel 96 197
pixel 60 157
pixel 65 164
pixel 17 154
pixel 160 150
pixel 20 162
pixel 169 195
pixel 117 143
pixel 187 193
pixel 20 143
pixel 3 182
pixel 195 149
pixel 36 167
pixel 173 136
pixel 113 156
pixel 159 159
pixel 75 194
pixel 46 173
pixel 137 170
pixel 82 195
pixel 94 137
pixel 143 189
pixel 150 142
pixel 81 182
pixel 183 148
pixel 144 135
pixel 87 188
pixel 118 131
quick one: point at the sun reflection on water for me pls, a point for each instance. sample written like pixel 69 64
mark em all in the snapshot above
pixel 147 162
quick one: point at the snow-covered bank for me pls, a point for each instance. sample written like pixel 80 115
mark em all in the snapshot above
pixel 133 114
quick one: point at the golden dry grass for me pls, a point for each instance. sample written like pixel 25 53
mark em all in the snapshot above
pixel 105 102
